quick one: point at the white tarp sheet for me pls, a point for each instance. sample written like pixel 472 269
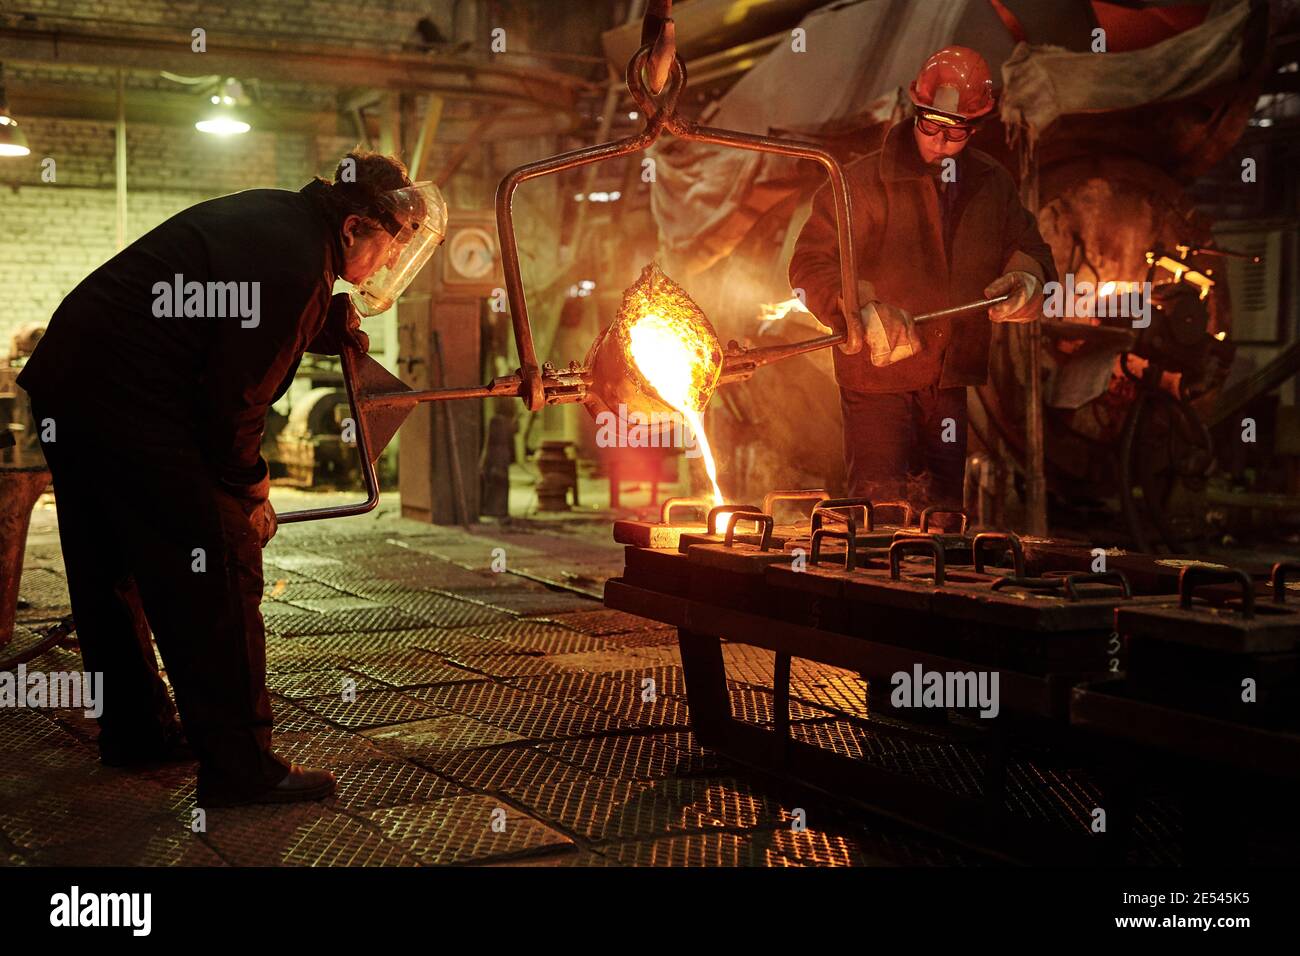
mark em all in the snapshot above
pixel 856 60
pixel 1042 83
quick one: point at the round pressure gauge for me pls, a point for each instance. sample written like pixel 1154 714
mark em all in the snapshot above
pixel 472 253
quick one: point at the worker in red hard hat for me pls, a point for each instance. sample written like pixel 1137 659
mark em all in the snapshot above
pixel 936 224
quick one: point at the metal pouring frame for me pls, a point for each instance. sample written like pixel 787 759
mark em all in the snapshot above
pixel 380 402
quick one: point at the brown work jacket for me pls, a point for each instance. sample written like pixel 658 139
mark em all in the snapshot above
pixel 899 244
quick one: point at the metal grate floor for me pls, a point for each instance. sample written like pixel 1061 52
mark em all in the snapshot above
pixel 373 708
pixel 477 693
pixel 387 782
pixel 421 738
pixel 408 668
pixel 496 768
pixel 295 684
pixel 43 588
pixel 466 829
pixel 632 757
pixel 299 835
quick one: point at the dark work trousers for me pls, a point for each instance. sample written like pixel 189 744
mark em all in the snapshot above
pixel 895 448
pixel 150 541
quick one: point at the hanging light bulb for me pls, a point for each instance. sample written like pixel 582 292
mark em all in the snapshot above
pixel 12 140
pixel 225 117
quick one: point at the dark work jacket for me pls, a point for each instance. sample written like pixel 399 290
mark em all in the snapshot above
pixel 899 244
pixel 108 359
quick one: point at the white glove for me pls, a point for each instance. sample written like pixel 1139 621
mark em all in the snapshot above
pixel 1022 287
pixel 891 333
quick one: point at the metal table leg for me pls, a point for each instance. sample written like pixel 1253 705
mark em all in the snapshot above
pixel 781 707
pixel 706 684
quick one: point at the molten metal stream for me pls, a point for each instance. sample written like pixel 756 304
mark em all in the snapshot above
pixel 668 362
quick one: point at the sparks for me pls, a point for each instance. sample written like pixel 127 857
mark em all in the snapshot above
pixel 772 311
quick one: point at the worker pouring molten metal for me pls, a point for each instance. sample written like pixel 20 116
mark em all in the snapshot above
pixel 935 225
pixel 151 387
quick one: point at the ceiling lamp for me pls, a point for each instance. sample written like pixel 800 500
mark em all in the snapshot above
pixel 225 117
pixel 12 140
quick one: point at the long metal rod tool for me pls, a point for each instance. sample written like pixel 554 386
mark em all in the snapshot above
pixel 741 364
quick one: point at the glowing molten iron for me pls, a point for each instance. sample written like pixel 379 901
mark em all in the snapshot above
pixel 675 349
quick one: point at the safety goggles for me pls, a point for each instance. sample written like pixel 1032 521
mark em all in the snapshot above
pixel 932 124
pixel 416 219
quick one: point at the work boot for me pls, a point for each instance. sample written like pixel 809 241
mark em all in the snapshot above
pixel 300 783
pixel 140 751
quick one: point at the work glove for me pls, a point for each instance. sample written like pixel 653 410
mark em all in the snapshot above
pixel 342 329
pixel 891 333
pixel 254 501
pixel 264 522
pixel 1023 288
pixel 352 332
pixel 888 331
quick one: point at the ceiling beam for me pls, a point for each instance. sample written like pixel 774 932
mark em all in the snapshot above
pixel 321 64
pixel 84 102
pixel 99 104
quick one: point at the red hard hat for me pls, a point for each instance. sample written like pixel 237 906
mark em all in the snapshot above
pixel 954 81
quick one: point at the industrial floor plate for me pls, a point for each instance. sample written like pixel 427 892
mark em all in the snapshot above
pixel 699 850
pixel 374 708
pixel 330 750
pixel 505 666
pixel 755 705
pixel 157 841
pixel 299 835
pixel 466 829
pixel 601 622
pixel 295 684
pixel 496 768
pixel 443 610
pixel 388 782
pixel 365 620
pixel 43 588
pixel 630 757
pixel 639 702
pixel 291 719
pixel 597 809
pixel 946 766
pixel 529 715
pixel 408 668
pixel 439 734
pixel 539 636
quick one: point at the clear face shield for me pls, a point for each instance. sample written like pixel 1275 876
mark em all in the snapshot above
pixel 416 219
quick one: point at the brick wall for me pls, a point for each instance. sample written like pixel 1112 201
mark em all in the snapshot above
pixel 54 233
